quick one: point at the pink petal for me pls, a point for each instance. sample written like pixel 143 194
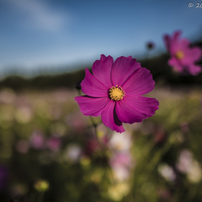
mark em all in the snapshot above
pixel 180 45
pixel 102 70
pixel 110 119
pixel 176 36
pixel 91 106
pixel 122 68
pixel 192 55
pixel 139 83
pixel 174 63
pixel 144 105
pixel 194 69
pixel 175 39
pixel 196 53
pixel 93 87
pixel 171 43
pixel 167 41
pixel 127 114
pixel 183 44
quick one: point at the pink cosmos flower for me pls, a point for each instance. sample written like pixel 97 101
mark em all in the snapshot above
pixel 121 164
pixel 37 140
pixel 183 57
pixel 53 143
pixel 115 91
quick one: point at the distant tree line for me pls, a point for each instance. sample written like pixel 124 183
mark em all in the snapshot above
pixel 158 66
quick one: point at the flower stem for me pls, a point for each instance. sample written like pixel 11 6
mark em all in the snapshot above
pixel 95 128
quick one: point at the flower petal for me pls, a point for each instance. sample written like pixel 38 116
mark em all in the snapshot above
pixel 144 105
pixel 122 68
pixel 183 44
pixel 91 106
pixel 110 118
pixel 92 87
pixel 194 69
pixel 167 40
pixel 127 114
pixel 102 70
pixel 171 43
pixel 174 63
pixel 192 55
pixel 139 83
pixel 176 36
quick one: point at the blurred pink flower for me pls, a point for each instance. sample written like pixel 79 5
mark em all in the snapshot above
pixel 185 161
pixel 183 57
pixel 115 91
pixel 121 159
pixel 53 143
pixel 121 164
pixel 37 140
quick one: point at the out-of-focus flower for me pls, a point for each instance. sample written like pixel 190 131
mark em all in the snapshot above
pixel 194 174
pixel 53 143
pixel 187 165
pixel 4 174
pixel 73 153
pixel 41 185
pixel 120 141
pixel 23 115
pixel 150 45
pixel 118 191
pixel 167 172
pixel 121 159
pixel 115 91
pixel 121 164
pixel 183 57
pixel 37 140
pixel 7 96
pixel 184 161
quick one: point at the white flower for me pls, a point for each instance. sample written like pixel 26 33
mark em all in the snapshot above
pixel 120 141
pixel 73 153
pixel 167 172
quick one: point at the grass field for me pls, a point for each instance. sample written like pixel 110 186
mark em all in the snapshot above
pixel 44 136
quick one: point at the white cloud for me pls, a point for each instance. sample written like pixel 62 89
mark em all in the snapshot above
pixel 39 14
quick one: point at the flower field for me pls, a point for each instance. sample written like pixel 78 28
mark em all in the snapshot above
pixel 49 151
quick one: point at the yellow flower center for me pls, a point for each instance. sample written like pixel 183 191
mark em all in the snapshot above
pixel 179 55
pixel 116 93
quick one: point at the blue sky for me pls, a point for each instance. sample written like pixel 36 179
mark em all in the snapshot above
pixel 44 34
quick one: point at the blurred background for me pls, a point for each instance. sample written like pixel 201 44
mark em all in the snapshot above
pixel 48 149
